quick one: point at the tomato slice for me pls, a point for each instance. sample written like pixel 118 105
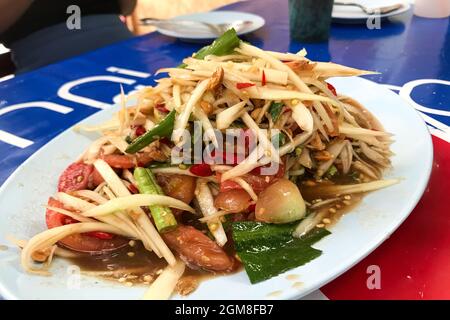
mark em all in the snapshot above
pixel 88 243
pixel 256 181
pixel 96 178
pixel 75 177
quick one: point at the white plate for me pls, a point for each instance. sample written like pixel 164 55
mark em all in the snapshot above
pixel 358 233
pixel 215 17
pixel 349 14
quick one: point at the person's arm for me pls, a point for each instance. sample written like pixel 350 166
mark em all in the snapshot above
pixel 10 11
pixel 126 6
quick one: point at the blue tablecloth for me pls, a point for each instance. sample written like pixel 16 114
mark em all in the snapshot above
pixel 412 55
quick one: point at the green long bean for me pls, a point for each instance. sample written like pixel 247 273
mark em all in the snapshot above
pixel 162 129
pixel 162 215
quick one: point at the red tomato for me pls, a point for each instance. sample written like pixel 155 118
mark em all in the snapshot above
pixel 95 242
pixel 96 178
pixel 75 177
pixel 178 186
pixel 228 185
pixel 233 201
pixel 256 181
pixel 122 161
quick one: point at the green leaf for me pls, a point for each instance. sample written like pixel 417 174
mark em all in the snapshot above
pixel 266 250
pixel 331 171
pixel 275 110
pixel 278 140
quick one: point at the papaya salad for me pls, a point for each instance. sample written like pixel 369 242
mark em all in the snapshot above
pixel 154 201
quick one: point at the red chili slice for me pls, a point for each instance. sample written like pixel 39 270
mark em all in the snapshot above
pixel 257 171
pixel 201 170
pixel 75 177
pixel 161 107
pixel 100 235
pixel 263 80
pixel 331 88
pixel 93 242
pixel 243 85
pixel 139 131
pixel 166 141
pixel 224 157
pixel 133 188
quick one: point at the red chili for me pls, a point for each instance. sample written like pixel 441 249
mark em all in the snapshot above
pixel 263 80
pixel 226 158
pixel 133 188
pixel 256 171
pixel 161 107
pixel 69 220
pixel 139 131
pixel 166 141
pixel 243 85
pixel 331 88
pixel 201 170
pixel 100 235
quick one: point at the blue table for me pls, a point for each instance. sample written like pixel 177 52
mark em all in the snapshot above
pixel 411 53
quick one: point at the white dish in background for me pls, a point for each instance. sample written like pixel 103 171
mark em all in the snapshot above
pixel 353 14
pixel 214 17
pixel 358 233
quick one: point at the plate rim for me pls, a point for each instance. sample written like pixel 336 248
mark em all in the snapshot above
pixel 175 34
pixel 356 256
pixel 406 7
